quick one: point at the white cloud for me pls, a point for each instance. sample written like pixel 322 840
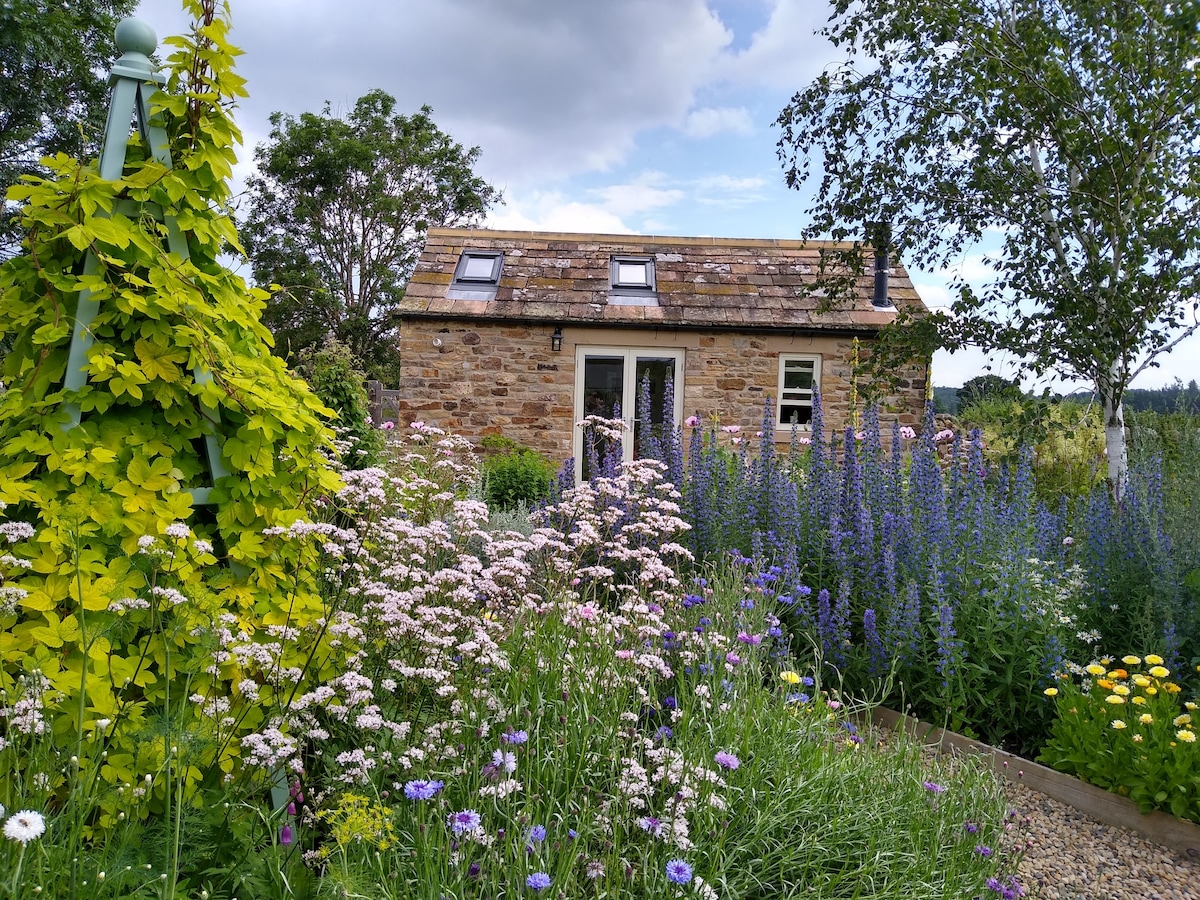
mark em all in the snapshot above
pixel 709 121
pixel 552 211
pixel 785 53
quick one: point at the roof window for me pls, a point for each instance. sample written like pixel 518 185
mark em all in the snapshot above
pixel 479 269
pixel 632 274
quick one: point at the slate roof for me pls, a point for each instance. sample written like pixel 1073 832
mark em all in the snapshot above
pixel 702 282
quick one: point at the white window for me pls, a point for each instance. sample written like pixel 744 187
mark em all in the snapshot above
pixel 799 379
pixel 607 383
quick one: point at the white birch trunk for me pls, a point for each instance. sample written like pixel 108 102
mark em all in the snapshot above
pixel 1114 441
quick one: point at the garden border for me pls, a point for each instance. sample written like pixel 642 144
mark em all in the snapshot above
pixel 1111 809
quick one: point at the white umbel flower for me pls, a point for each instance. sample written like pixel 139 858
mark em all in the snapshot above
pixel 25 826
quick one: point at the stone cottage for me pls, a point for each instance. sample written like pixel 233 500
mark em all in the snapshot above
pixel 524 333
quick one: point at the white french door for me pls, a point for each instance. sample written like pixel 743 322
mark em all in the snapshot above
pixel 607 382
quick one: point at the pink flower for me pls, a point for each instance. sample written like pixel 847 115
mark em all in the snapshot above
pixel 587 612
pixel 944 435
pixel 804 441
pixel 388 426
pixel 907 433
pixel 860 435
pixel 692 421
pixel 751 639
pixel 731 429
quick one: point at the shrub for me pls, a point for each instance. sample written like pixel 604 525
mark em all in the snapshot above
pixel 515 475
pixel 331 375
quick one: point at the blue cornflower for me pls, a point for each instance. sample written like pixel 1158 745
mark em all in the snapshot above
pixel 462 822
pixel 515 737
pixel 422 789
pixel 537 833
pixel 983 850
pixel 747 604
pixel 664 733
pixel 679 872
pixel 670 703
pixel 798 698
pixel 572 833
pixel 538 881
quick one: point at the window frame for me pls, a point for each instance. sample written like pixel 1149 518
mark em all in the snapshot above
pixel 465 282
pixel 784 359
pixel 630 288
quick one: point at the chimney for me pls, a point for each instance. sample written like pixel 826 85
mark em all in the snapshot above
pixel 880 240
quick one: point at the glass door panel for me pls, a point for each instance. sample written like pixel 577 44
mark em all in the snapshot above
pixel 607 383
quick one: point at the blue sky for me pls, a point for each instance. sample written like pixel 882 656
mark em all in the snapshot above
pixel 626 116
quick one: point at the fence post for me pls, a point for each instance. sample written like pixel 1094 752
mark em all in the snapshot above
pixel 375 402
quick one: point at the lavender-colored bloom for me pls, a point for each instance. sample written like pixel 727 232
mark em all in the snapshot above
pixel 877 656
pixel 679 872
pixel 726 760
pixel 285 836
pixel 971 827
pixel 983 850
pixel 537 833
pixel 515 737
pixel 422 789
pixel 650 825
pixel 462 822
pixel 538 881
pixel 934 787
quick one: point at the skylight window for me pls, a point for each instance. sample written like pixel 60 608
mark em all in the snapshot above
pixel 632 274
pixel 478 269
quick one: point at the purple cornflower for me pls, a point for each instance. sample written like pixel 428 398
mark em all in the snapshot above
pixel 422 789
pixel 650 825
pixel 670 703
pixel 971 827
pixel 515 737
pixel 679 872
pixel 983 850
pixel 732 658
pixel 538 881
pixel 462 822
pixel 747 638
pixel 664 733
pixel 537 833
pixel 934 787
pixel 726 760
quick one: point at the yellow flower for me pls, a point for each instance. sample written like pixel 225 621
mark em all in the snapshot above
pixel 1172 688
pixel 1190 705
pixel 1051 692
pixel 1181 720
pixel 1131 660
pixel 1094 669
pixel 1141 681
pixel 1118 724
pixel 1151 691
pixel 1140 701
pixel 1146 719
pixel 1106 660
pixel 1137 738
pixel 1188 737
pixel 1153 659
pixel 1118 674
pixel 1160 672
pixel 790 677
pixel 1121 689
pixel 1114 698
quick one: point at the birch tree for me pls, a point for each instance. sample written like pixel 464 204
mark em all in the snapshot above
pixel 1058 139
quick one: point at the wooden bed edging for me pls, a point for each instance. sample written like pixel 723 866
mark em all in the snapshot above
pixel 1111 809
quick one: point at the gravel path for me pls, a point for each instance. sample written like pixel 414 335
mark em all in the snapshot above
pixel 1070 856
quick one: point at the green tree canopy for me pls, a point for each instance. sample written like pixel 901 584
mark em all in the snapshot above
pixel 52 86
pixel 981 387
pixel 338 211
pixel 1062 133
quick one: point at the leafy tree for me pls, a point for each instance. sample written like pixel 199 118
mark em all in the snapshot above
pixel 1062 132
pixel 338 212
pixel 983 387
pixel 52 88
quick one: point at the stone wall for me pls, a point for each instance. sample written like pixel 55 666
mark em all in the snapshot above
pixel 482 378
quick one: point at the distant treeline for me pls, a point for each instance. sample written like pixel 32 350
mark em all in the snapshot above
pixel 1171 398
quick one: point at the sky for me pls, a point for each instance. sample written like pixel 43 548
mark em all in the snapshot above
pixel 620 116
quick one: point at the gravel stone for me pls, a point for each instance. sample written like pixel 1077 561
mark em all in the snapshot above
pixel 1070 856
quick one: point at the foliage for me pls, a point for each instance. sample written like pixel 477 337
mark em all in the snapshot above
pixel 515 475
pixel 52 96
pixel 119 609
pixel 338 213
pixel 1066 440
pixel 1064 132
pixel 985 387
pixel 1128 731
pixel 330 374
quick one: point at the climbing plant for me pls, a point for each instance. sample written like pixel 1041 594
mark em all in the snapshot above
pixel 131 608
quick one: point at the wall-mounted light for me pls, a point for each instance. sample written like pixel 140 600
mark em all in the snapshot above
pixel 556 339
pixel 437 343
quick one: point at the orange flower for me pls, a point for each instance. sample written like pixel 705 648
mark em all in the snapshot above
pixel 1105 683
